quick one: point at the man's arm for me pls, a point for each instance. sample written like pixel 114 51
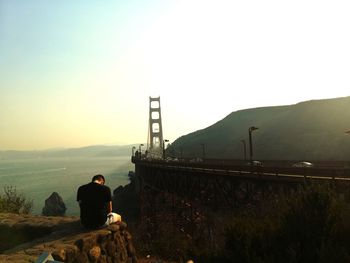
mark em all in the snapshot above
pixel 109 207
pixel 79 195
pixel 108 199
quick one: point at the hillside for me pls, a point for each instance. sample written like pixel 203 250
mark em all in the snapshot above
pixel 311 130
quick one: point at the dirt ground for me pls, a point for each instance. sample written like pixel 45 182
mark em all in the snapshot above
pixel 153 260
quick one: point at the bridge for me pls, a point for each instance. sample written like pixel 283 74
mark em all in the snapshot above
pixel 224 183
pixel 181 190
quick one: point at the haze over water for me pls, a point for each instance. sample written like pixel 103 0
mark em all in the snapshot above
pixel 38 178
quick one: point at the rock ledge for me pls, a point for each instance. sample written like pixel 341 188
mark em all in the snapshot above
pixel 64 238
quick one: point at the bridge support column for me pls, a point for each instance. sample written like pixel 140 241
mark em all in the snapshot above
pixel 155 141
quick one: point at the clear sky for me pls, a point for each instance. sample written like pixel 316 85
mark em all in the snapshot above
pixel 77 73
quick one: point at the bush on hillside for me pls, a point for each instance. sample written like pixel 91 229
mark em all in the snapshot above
pixel 313 226
pixel 310 225
pixel 11 201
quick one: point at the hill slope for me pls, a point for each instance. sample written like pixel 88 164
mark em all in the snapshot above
pixel 311 130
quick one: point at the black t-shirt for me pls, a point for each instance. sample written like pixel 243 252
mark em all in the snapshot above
pixel 93 199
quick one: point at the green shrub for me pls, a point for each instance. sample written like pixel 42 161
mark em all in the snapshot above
pixel 11 201
pixel 248 239
pixel 309 225
pixel 312 226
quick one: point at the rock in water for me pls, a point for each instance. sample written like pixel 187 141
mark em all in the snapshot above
pixel 54 206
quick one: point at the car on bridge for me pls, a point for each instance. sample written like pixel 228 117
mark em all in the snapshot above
pixel 255 163
pixel 171 159
pixel 196 160
pixel 303 164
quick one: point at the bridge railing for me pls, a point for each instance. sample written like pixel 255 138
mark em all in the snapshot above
pixel 334 172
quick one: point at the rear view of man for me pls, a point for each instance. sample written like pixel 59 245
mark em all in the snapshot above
pixel 95 201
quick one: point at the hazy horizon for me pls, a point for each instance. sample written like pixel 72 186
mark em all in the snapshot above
pixel 75 147
pixel 77 73
pixel 137 144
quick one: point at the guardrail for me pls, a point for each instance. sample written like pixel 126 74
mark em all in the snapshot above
pixel 223 168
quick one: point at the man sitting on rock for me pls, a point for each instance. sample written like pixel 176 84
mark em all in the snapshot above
pixel 95 201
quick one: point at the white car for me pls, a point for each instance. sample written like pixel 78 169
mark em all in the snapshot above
pixel 303 164
pixel 256 163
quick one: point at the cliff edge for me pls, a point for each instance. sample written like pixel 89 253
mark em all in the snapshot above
pixel 25 237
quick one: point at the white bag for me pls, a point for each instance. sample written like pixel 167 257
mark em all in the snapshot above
pixel 113 218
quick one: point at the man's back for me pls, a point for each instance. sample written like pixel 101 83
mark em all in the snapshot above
pixel 93 199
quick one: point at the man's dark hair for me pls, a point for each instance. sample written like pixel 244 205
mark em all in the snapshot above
pixel 98 177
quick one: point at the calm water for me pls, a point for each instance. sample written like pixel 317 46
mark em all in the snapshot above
pixel 38 178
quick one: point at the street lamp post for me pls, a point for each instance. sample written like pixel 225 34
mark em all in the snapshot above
pixel 251 129
pixel 164 141
pixel 140 149
pixel 203 150
pixel 244 149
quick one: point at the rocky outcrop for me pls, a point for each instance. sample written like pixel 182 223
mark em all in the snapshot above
pixel 64 239
pixel 126 199
pixel 54 206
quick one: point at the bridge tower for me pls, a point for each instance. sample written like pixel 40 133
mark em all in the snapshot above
pixel 155 132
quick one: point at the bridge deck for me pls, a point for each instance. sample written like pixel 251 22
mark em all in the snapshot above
pixel 258 172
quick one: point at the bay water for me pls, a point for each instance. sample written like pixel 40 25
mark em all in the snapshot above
pixel 38 178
